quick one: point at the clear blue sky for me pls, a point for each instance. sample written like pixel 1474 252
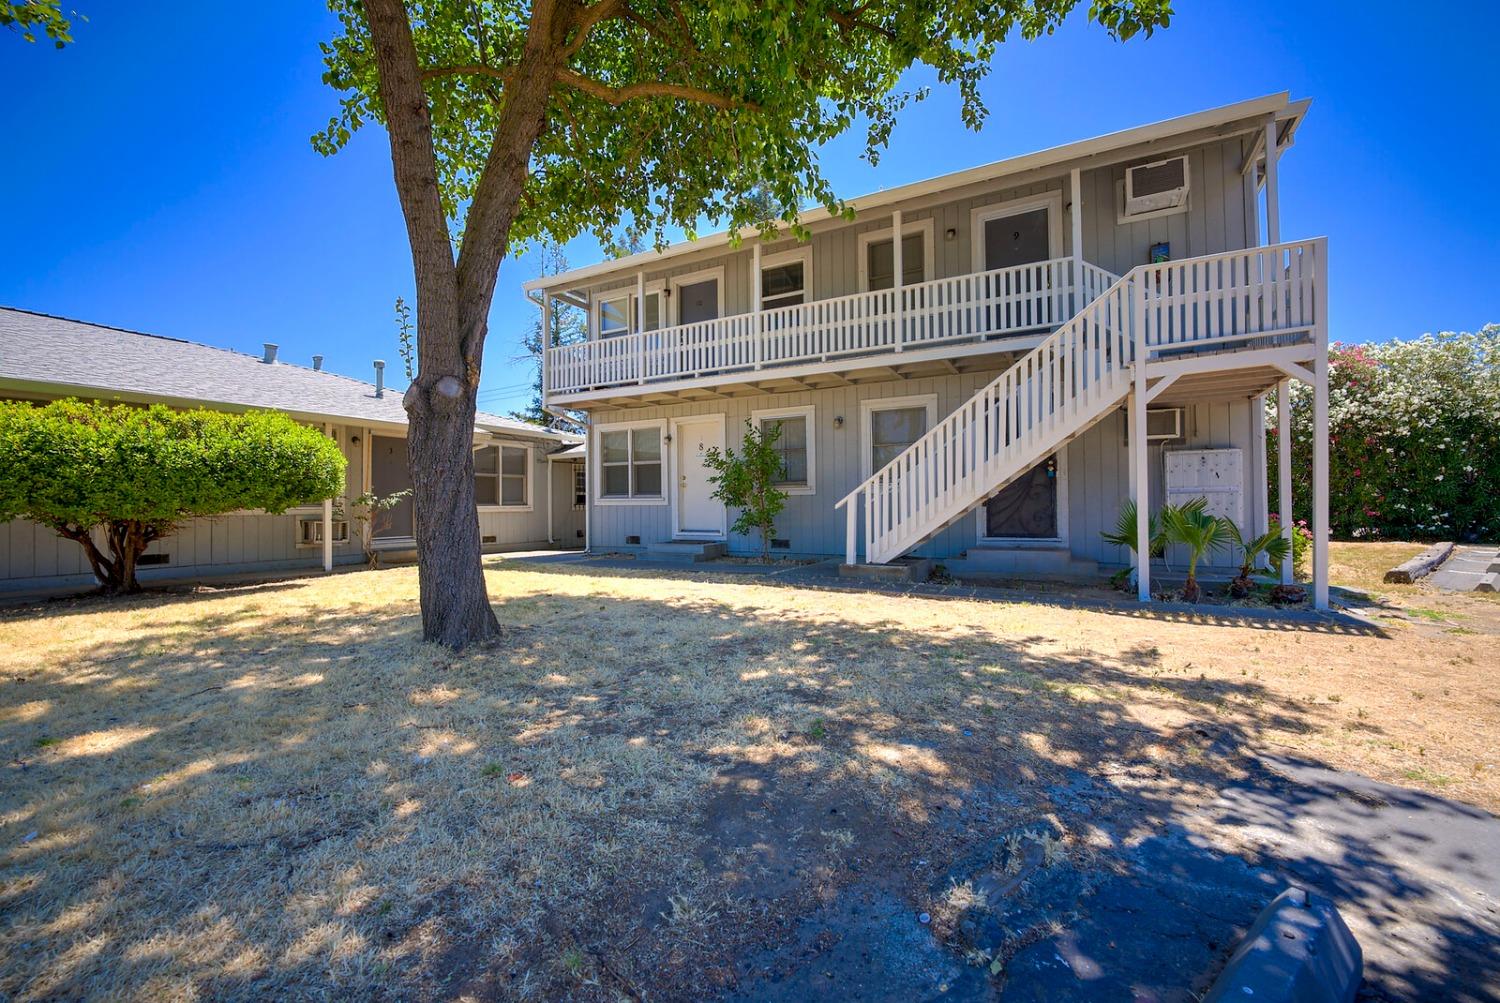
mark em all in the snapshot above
pixel 158 174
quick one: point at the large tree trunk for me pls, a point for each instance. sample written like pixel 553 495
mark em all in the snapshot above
pixel 453 304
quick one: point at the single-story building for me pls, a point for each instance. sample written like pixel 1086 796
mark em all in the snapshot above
pixel 528 480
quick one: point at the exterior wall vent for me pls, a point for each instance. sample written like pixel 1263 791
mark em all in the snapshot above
pixel 148 559
pixel 1161 184
pixel 633 540
pixel 490 538
pixel 781 544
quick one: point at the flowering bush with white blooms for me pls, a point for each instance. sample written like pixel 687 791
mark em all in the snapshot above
pixel 1414 438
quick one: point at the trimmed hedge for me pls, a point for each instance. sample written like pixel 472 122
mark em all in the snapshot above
pixel 134 472
pixel 1414 438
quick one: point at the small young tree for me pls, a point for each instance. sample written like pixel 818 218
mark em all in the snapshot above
pixel 1270 543
pixel 127 475
pixel 373 513
pixel 747 482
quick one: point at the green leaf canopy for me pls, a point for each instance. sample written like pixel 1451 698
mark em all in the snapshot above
pixel 82 464
pixel 666 113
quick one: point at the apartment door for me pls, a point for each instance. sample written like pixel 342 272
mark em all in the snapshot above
pixel 698 512
pixel 389 474
pixel 1027 508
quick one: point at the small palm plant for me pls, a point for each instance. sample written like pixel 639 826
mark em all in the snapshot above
pixel 1270 543
pixel 1192 526
pixel 1124 535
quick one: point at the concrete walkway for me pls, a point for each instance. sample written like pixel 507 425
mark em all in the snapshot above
pixel 1469 569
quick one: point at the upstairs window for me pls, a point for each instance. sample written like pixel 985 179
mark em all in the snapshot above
pixel 879 263
pixel 784 279
pixel 617 314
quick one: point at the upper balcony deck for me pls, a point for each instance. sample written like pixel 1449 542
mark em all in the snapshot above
pixel 1000 310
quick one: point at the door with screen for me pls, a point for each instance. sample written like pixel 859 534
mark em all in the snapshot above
pixel 388 475
pixel 698 301
pixel 1026 508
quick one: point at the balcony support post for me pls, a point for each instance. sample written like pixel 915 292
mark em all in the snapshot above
pixel 1273 187
pixel 898 269
pixel 1320 431
pixel 546 338
pixel 640 326
pixel 1284 471
pixel 1140 452
pixel 755 302
pixel 328 518
pixel 1075 182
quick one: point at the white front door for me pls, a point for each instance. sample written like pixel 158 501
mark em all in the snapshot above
pixel 698 512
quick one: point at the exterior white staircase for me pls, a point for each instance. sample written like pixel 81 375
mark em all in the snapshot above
pixel 1075 377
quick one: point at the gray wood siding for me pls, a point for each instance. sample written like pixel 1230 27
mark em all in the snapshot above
pixel 1222 216
pixel 1097 466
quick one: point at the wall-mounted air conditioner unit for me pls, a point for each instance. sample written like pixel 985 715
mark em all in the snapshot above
pixel 1163 424
pixel 1157 186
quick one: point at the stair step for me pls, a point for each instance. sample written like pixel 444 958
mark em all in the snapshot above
pixel 685 551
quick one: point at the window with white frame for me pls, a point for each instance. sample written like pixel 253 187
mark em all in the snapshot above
pixel 580 485
pixel 630 463
pixel 614 316
pixel 785 278
pixel 892 424
pixel 502 476
pixel 618 313
pixel 877 264
pixel 795 445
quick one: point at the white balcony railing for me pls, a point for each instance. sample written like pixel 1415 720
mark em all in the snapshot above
pixel 1016 300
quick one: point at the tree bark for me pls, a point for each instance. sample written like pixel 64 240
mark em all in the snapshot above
pixel 453 303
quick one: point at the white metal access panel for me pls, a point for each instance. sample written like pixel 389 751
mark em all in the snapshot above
pixel 1215 474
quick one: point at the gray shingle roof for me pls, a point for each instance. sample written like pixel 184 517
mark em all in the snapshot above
pixel 60 356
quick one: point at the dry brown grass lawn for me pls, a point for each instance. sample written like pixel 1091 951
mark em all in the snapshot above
pixel 278 790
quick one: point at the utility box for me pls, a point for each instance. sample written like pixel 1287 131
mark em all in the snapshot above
pixel 1217 475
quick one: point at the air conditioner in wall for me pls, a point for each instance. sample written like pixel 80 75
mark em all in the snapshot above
pixel 1163 424
pixel 1161 184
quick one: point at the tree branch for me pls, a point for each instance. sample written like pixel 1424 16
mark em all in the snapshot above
pixel 602 10
pixel 473 69
pixel 630 92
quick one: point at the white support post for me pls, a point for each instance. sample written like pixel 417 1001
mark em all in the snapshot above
pixel 546 339
pixel 756 293
pixel 897 267
pixel 851 532
pixel 328 518
pixel 1284 471
pixel 1273 188
pixel 1320 434
pixel 640 326
pixel 1076 180
pixel 1139 450
pixel 547 466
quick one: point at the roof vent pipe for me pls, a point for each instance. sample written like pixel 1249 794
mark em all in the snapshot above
pixel 379 377
pixel 317 363
pixel 270 355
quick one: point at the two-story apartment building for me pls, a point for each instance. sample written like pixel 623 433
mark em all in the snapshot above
pixel 979 368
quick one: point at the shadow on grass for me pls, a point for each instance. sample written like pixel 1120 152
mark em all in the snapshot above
pixel 648 797
pixel 1045 595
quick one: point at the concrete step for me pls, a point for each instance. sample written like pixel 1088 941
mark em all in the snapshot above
pixel 999 561
pixel 685 551
pixel 902 569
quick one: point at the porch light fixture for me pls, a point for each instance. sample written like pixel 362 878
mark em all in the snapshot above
pixel 838 421
pixel 951 233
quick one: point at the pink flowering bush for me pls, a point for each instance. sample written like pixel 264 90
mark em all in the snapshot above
pixel 1414 438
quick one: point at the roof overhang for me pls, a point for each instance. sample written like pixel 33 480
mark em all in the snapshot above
pixel 1099 151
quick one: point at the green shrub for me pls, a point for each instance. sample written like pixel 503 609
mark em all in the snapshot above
pixel 128 474
pixel 747 481
pixel 1414 438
